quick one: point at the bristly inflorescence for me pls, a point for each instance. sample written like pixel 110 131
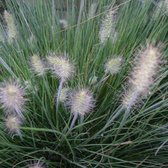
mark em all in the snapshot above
pixel 12 97
pixel 61 66
pixel 108 25
pixel 11 27
pixel 113 65
pixel 146 68
pixel 81 102
pixel 37 65
pixel 12 124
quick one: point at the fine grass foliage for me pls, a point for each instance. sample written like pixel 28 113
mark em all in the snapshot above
pixel 63 78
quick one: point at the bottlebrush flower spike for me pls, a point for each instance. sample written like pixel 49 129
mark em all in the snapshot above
pixel 12 97
pixel 107 26
pixel 37 65
pixel 11 28
pixel 146 68
pixel 81 103
pixel 13 124
pixel 61 66
pixel 113 65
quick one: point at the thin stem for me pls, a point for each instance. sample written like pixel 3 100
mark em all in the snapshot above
pixel 132 101
pixel 108 124
pixel 18 132
pixel 7 67
pixel 46 84
pixel 103 79
pixel 126 115
pixel 19 113
pixel 57 101
pixel 81 119
pixel 116 114
pixel 74 120
pixel 161 146
pixel 59 93
pixel 81 122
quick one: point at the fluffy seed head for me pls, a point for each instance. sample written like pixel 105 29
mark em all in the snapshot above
pixel 61 66
pixel 37 65
pixel 11 28
pixel 107 26
pixel 81 102
pixel 145 69
pixel 13 124
pixel 113 65
pixel 12 97
pixel 143 74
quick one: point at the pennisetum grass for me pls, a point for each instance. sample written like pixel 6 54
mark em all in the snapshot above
pixel 101 105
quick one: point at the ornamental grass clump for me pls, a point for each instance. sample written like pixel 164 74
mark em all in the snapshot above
pixel 98 104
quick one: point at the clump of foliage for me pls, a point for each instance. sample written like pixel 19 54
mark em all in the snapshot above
pixel 83 86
